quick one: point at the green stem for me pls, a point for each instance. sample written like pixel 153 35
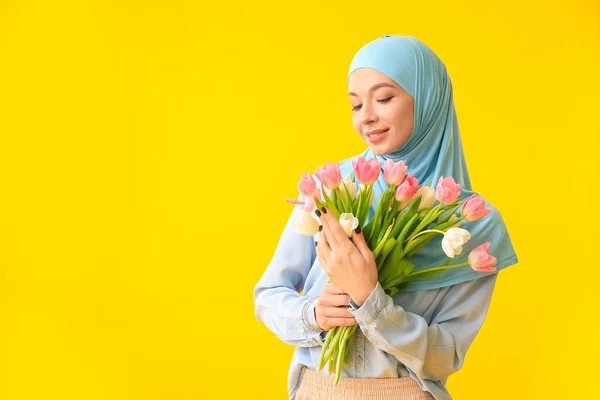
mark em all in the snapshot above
pixel 342 199
pixel 422 232
pixel 439 268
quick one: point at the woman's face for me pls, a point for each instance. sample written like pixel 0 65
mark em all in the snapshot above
pixel 379 103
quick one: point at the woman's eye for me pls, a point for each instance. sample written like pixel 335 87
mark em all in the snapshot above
pixel 381 101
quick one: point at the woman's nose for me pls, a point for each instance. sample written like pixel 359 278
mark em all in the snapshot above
pixel 368 114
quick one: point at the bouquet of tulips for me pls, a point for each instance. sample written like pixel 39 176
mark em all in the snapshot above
pixel 406 218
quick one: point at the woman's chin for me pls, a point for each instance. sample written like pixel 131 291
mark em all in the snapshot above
pixel 378 150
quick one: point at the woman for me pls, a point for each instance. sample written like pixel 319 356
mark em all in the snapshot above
pixel 408 345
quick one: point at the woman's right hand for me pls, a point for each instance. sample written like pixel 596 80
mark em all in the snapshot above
pixel 332 308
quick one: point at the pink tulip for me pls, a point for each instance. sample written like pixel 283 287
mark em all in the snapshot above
pixel 407 189
pixel 309 204
pixel 394 172
pixel 307 185
pixel 447 190
pixel 474 208
pixel 330 175
pixel 481 260
pixel 295 201
pixel 366 172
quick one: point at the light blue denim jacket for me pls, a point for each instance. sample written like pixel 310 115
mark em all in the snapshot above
pixel 422 334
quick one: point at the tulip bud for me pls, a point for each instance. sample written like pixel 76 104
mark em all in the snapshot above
pixel 307 185
pixel 474 208
pixel 309 204
pixel 351 187
pixel 453 241
pixel 407 188
pixel 481 260
pixel 447 190
pixel 394 172
pixel 366 172
pixel 428 197
pixel 329 175
pixel 348 223
pixel 306 224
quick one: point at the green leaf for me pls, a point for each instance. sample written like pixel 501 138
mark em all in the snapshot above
pixel 445 225
pixel 421 241
pixel 395 276
pixel 349 200
pixel 340 197
pixel 406 228
pixel 378 216
pixel 430 216
pixel 417 275
pixel 450 214
pixel 387 249
pixel 408 214
pixel 382 242
pixel 393 258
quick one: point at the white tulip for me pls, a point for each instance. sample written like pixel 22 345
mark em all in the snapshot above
pixel 428 197
pixel 306 224
pixel 362 188
pixel 453 241
pixel 351 187
pixel 348 222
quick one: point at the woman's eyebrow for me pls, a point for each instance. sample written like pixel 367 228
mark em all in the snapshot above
pixel 374 87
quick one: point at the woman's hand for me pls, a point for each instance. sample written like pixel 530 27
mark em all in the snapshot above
pixel 350 264
pixel 332 308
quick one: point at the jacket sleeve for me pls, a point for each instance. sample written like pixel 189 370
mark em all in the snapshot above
pixel 432 351
pixel 277 300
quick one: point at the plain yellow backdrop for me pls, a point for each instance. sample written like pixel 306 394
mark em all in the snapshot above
pixel 147 148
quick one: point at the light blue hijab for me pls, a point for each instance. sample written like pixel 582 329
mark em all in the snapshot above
pixel 434 149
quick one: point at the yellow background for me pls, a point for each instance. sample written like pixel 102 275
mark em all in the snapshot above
pixel 147 147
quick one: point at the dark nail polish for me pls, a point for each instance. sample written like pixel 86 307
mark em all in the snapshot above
pixel 324 210
pixel 320 228
pixel 357 230
pixel 316 243
pixel 318 212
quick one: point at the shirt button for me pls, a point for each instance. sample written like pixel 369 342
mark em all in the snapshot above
pixel 359 359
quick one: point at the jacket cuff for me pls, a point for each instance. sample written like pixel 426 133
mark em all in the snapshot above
pixel 372 306
pixel 308 316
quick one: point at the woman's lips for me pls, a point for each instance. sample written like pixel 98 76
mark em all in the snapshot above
pixel 378 137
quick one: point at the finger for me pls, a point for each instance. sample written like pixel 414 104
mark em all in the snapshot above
pixel 335 300
pixel 337 312
pixel 341 300
pixel 336 231
pixel 341 321
pixel 333 289
pixel 323 238
pixel 321 253
pixel 359 241
pixel 324 247
pixel 326 218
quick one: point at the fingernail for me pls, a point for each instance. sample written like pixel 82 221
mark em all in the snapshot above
pixel 316 243
pixel 320 228
pixel 318 212
pixel 324 210
pixel 357 230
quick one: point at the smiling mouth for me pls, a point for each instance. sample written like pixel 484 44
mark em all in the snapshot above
pixel 375 135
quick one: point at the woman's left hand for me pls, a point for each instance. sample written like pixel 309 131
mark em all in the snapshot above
pixel 349 263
